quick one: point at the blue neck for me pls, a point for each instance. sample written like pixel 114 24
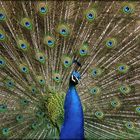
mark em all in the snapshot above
pixel 73 126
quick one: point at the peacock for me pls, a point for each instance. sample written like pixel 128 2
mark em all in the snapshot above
pixel 70 69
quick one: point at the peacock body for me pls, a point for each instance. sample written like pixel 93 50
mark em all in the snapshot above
pixel 73 127
pixel 40 40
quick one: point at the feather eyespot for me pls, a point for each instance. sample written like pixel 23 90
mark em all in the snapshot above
pixel 5 131
pixel 115 103
pixel 99 114
pixel 19 118
pixel 2 36
pixel 3 107
pixel 23 68
pixel 125 89
pixel 9 83
pixel 96 72
pixel 2 16
pixel 138 110
pixel 2 62
pixel 83 50
pixel 110 43
pixel 41 80
pixel 41 57
pixel 129 125
pixel 95 90
pixel 128 8
pixel 23 45
pixel 67 61
pixel 26 22
pixel 90 15
pixel 63 30
pixel 49 41
pixel 24 102
pixel 43 8
pixel 32 89
pixel 123 68
pixel 56 77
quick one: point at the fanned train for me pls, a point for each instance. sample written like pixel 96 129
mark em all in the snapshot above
pixel 40 41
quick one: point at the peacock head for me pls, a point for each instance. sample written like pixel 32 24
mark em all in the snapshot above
pixel 75 77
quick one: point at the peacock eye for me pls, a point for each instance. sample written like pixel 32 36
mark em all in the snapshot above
pixel 125 89
pixel 138 110
pixel 66 62
pixel 3 107
pixel 122 68
pixel 99 114
pixel 43 9
pixel 2 62
pixel 56 77
pixel 27 24
pixel 41 81
pixel 110 43
pixel 90 15
pixel 1 36
pixel 50 42
pixel 95 90
pixel 10 83
pixel 24 69
pixel 2 16
pixel 41 57
pixel 63 32
pixel 82 51
pixel 5 131
pixel 127 9
pixel 23 46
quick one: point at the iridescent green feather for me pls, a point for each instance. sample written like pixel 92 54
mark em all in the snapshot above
pixel 99 115
pixel 43 8
pixel 90 14
pixel 2 16
pixel 9 83
pixel 27 23
pixel 3 108
pixel 2 62
pixel 2 36
pixel 49 41
pixel 67 61
pixel 23 45
pixel 63 30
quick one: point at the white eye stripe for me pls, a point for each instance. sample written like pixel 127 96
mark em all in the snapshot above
pixel 73 78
